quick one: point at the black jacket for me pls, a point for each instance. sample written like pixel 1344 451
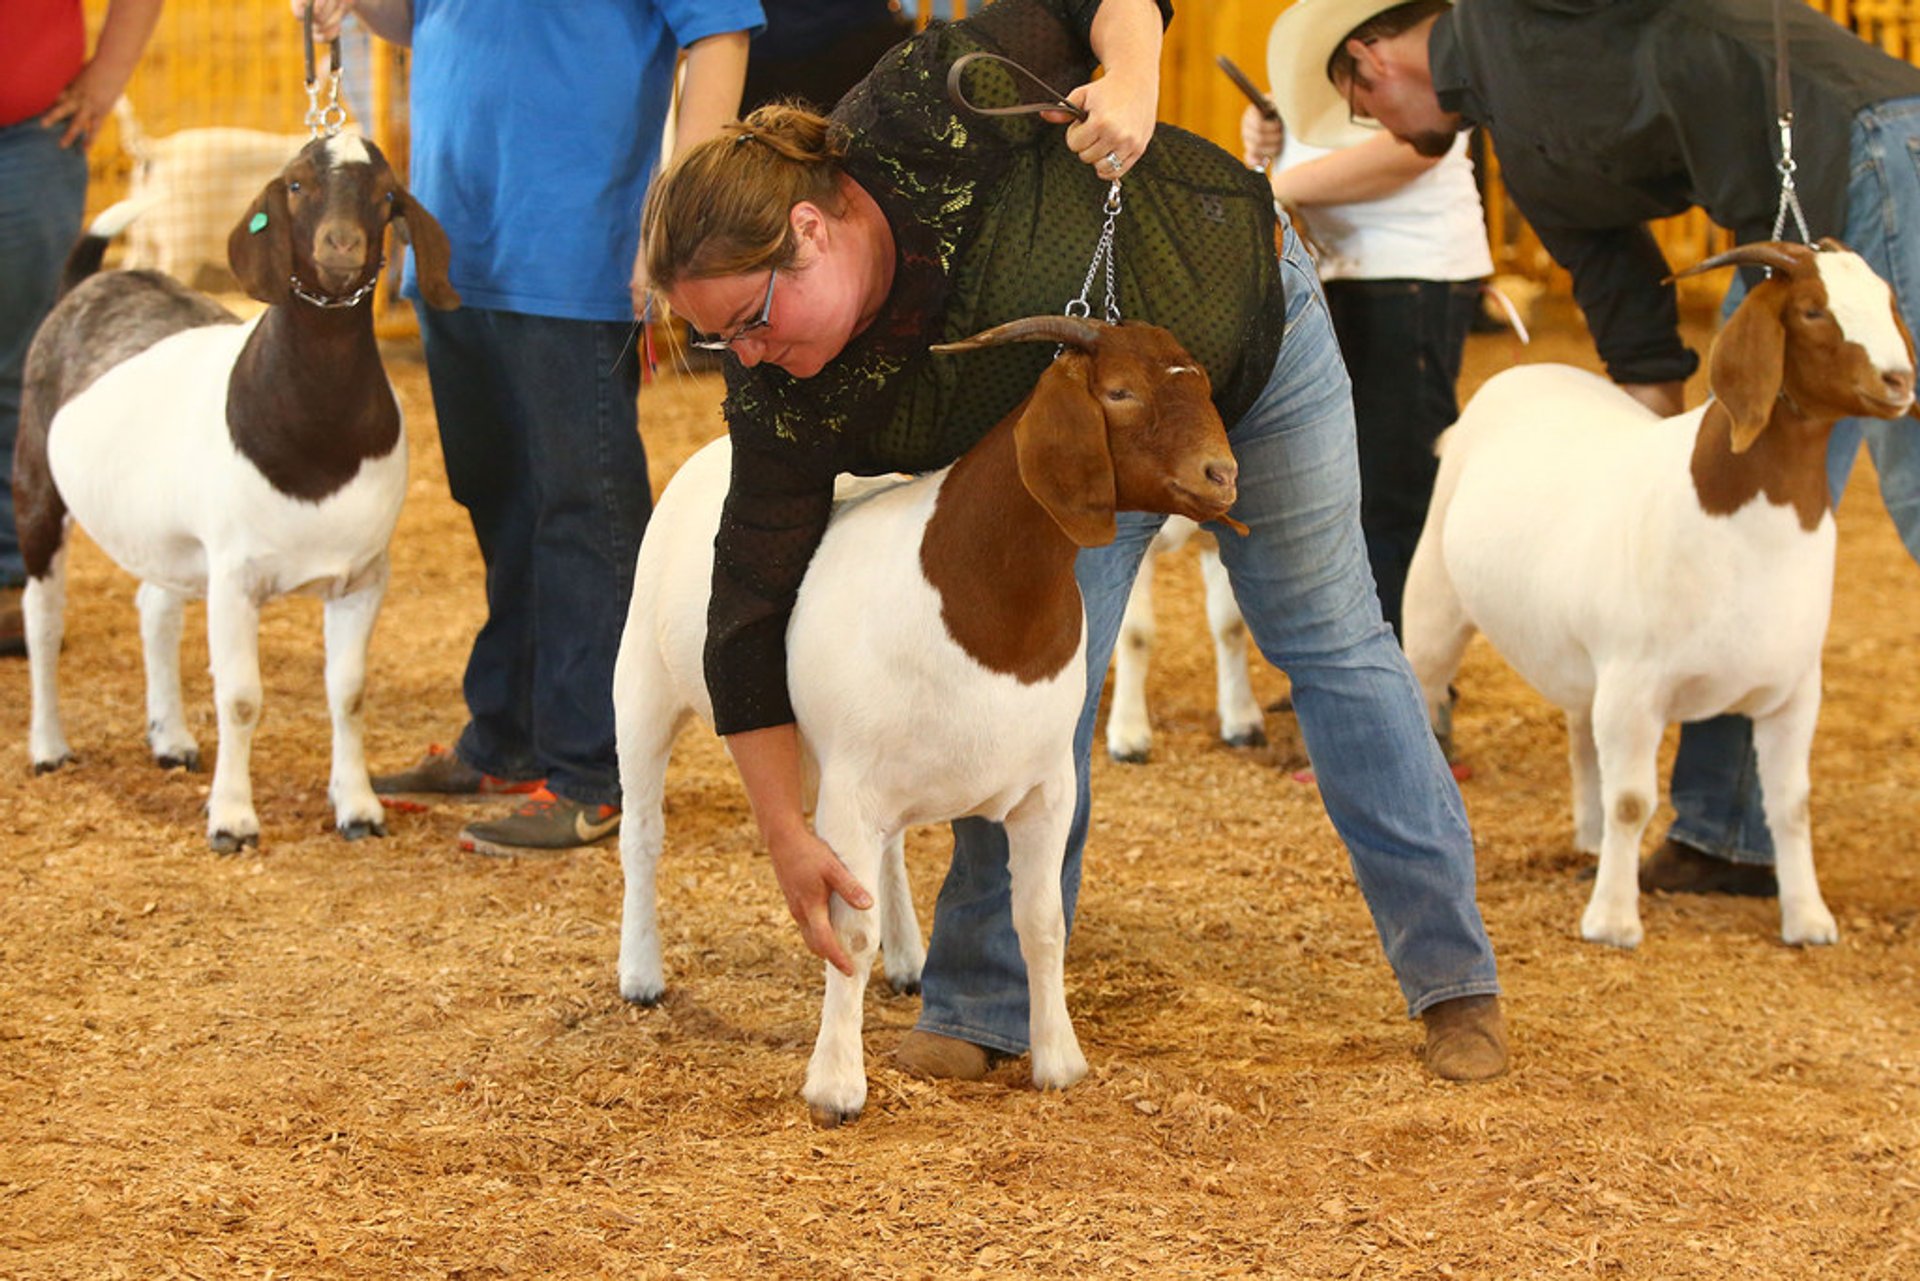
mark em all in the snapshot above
pixel 1608 113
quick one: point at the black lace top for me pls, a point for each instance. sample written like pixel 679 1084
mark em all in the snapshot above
pixel 993 219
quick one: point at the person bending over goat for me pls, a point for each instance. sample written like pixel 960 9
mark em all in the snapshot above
pixel 828 254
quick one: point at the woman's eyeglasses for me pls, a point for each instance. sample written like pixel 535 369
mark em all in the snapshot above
pixel 759 322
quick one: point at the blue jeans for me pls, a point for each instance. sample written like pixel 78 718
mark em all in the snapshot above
pixel 539 426
pixel 43 196
pixel 1716 781
pixel 1301 579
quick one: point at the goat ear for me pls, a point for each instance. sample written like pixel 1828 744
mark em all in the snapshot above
pixel 420 229
pixel 1748 361
pixel 260 247
pixel 1061 444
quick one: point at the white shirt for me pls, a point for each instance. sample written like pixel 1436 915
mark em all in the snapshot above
pixel 1431 229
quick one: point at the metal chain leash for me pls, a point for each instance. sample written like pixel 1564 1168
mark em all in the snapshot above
pixel 323 119
pixel 1103 255
pixel 1783 100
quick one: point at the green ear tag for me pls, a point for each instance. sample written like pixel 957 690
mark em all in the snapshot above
pixel 256 223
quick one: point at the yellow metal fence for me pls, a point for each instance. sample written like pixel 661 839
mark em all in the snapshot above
pixel 239 64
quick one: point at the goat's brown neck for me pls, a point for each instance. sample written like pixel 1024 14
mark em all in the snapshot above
pixel 309 400
pixel 1002 566
pixel 1787 463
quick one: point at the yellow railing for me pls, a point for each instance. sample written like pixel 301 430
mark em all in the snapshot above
pixel 239 63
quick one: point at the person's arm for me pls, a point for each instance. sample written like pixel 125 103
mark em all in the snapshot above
pixel 771 523
pixel 716 74
pixel 1123 104
pixel 1368 170
pixel 89 96
pixel 1618 276
pixel 808 870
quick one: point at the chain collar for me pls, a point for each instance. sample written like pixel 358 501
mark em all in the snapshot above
pixel 353 299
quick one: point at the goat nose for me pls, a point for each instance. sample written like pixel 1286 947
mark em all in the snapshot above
pixel 1899 383
pixel 1223 472
pixel 345 240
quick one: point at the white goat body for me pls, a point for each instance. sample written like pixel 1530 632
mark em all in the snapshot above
pixel 901 721
pixel 1614 559
pixel 1129 727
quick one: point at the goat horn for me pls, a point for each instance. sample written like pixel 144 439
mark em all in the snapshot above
pixel 1780 255
pixel 1071 330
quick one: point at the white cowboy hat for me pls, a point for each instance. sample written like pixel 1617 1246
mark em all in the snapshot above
pixel 1302 39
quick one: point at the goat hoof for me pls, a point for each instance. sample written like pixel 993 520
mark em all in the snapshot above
pixel 905 987
pixel 359 827
pixel 1130 755
pixel 646 998
pixel 1255 737
pixel 48 767
pixel 233 842
pixel 827 1118
pixel 188 760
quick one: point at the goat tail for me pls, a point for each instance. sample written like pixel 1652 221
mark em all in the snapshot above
pixel 88 251
pixel 133 139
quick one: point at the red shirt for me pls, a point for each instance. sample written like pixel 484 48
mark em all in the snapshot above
pixel 43 45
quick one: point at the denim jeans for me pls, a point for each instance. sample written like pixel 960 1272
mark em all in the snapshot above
pixel 1301 578
pixel 539 426
pixel 1402 341
pixel 1716 781
pixel 43 196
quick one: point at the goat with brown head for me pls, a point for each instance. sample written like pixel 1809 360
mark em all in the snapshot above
pixel 1853 354
pixel 1123 420
pixel 318 230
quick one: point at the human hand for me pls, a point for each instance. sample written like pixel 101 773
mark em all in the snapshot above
pixel 84 104
pixel 327 15
pixel 810 874
pixel 1120 121
pixel 1260 138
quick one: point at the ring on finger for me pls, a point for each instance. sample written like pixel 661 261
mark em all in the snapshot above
pixel 1114 162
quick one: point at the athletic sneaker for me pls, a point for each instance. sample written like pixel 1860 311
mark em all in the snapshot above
pixel 545 822
pixel 442 773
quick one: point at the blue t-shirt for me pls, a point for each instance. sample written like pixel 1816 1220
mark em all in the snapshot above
pixel 536 129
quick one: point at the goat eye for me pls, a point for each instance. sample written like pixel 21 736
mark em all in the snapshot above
pixel 1814 313
pixel 389 197
pixel 1119 394
pixel 293 186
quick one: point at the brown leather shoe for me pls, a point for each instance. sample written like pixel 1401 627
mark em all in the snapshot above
pixel 13 627
pixel 1466 1039
pixel 1682 869
pixel 944 1058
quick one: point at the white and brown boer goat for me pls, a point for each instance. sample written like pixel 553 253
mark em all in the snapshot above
pixel 234 461
pixel 1638 570
pixel 937 659
pixel 1129 728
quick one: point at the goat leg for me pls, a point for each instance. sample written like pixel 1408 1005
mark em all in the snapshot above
pixel 1782 744
pixel 233 643
pixel 168 737
pixel 1036 846
pixel 349 627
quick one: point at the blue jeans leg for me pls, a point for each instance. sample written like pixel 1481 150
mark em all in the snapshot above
pixel 538 424
pixel 43 196
pixel 1716 783
pixel 1302 580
